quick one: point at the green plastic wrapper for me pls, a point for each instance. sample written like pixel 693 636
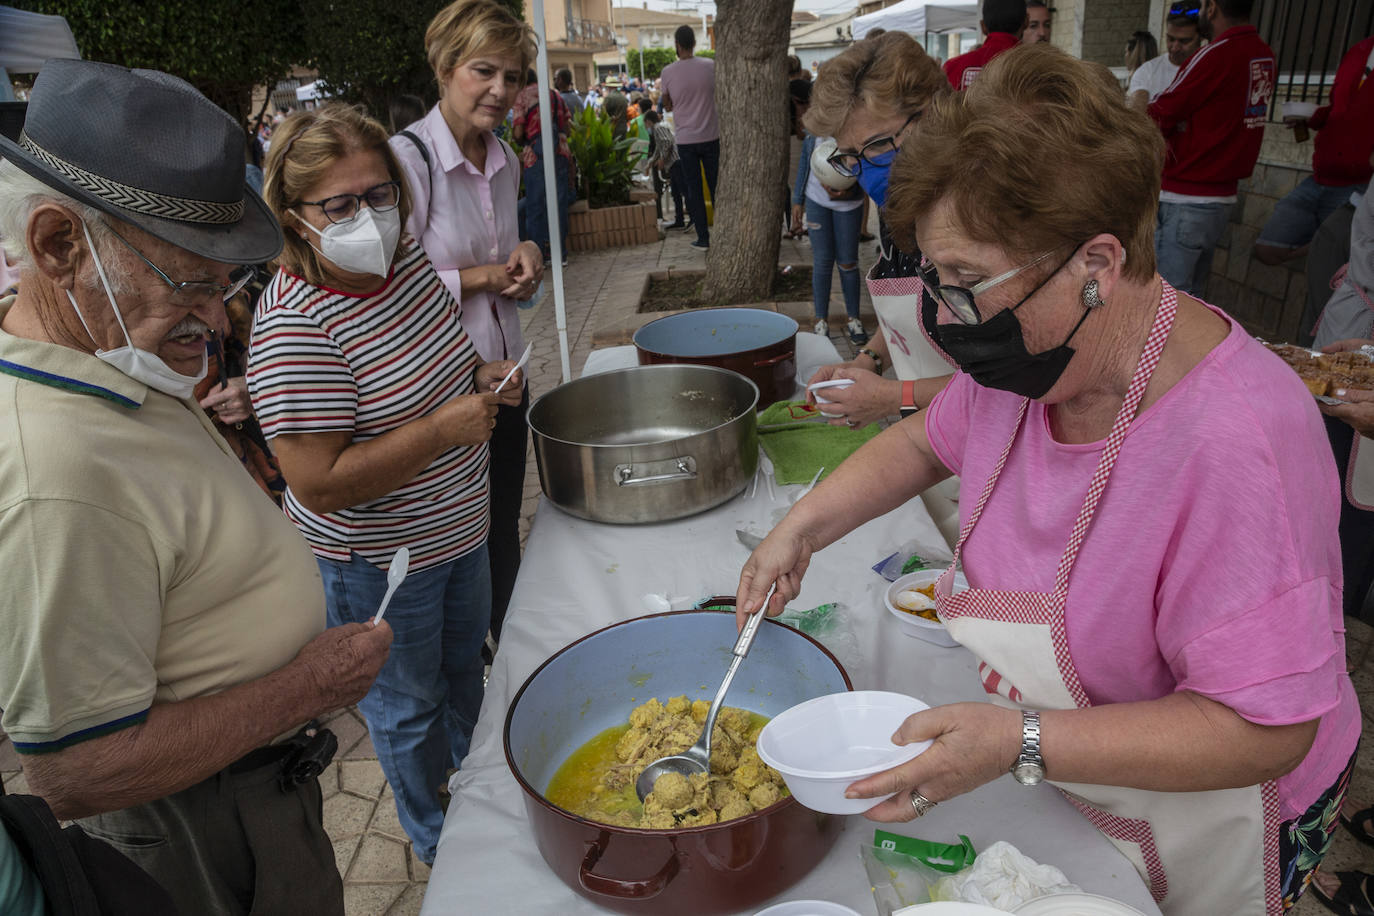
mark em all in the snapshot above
pixel 943 857
pixel 902 870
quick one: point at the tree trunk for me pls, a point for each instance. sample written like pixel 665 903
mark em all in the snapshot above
pixel 751 102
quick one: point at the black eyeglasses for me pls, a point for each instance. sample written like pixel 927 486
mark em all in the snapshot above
pixel 200 289
pixel 850 164
pixel 959 299
pixel 343 207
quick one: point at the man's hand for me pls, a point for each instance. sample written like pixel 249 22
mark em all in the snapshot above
pixel 230 404
pixel 342 662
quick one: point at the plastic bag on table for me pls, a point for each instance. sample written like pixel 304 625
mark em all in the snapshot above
pixel 829 624
pixel 911 557
pixel 1003 876
pixel 902 870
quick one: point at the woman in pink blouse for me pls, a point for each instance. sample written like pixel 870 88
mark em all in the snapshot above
pixel 465 183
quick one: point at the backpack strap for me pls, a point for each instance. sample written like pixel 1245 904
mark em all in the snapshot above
pixel 512 164
pixel 49 855
pixel 419 144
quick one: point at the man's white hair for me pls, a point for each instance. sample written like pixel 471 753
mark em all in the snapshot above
pixel 21 194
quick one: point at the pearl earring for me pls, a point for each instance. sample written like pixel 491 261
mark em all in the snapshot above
pixel 1091 298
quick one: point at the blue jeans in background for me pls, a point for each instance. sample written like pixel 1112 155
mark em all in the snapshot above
pixel 1185 237
pixel 834 236
pixel 423 706
pixel 1298 214
pixel 694 157
pixel 536 207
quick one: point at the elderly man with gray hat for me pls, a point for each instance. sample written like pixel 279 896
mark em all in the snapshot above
pixel 164 622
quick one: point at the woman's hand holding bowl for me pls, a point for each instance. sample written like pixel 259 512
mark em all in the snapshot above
pixel 870 399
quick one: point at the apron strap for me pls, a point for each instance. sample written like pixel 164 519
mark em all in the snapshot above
pixel 1145 368
pixel 987 487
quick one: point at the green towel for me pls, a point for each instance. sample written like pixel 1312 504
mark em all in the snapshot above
pixel 799 441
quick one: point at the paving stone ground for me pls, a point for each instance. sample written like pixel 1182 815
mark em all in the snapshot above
pixel 382 877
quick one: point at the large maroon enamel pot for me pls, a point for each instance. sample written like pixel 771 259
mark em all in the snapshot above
pixel 592 685
pixel 758 344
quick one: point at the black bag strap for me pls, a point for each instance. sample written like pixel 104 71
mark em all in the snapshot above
pixel 39 838
pixel 419 144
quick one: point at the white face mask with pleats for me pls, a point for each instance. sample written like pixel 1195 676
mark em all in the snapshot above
pixel 139 365
pixel 364 244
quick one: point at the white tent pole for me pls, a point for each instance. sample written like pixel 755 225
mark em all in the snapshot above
pixel 548 133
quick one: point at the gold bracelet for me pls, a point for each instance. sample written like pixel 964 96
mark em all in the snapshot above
pixel 877 360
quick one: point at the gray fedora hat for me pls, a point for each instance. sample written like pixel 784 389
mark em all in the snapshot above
pixel 147 148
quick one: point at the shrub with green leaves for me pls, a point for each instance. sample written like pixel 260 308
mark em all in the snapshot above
pixel 604 164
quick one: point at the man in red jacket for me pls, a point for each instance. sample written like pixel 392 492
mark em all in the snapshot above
pixel 1340 160
pixel 1002 24
pixel 1212 117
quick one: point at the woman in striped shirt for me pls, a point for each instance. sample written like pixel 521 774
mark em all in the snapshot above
pixel 379 410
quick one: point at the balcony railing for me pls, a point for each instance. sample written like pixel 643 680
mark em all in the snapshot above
pixel 589 33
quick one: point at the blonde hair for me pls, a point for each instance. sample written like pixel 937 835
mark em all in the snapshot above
pixel 889 74
pixel 466 28
pixel 304 148
pixel 1041 151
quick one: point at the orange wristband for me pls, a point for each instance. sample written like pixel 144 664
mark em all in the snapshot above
pixel 909 395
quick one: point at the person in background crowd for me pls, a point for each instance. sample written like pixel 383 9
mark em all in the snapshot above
pixel 1212 118
pixel 1038 16
pixel 689 92
pixel 593 99
pixel 1003 23
pixel 1327 253
pixel 465 184
pixel 795 68
pixel 404 111
pixel 1182 38
pixel 832 223
pixel 798 101
pixel 376 402
pixel 526 130
pixel 1172 676
pixel 663 162
pixel 164 622
pixel 617 107
pixel 1340 160
pixel 1140 48
pixel 563 82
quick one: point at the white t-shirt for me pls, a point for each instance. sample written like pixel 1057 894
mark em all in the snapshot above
pixel 1153 76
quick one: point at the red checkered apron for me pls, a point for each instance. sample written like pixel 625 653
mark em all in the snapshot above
pixel 1200 853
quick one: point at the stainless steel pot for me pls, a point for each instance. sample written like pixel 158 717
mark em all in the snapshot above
pixel 647 444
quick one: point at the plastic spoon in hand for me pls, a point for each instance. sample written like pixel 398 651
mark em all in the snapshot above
pixel 520 364
pixel 697 758
pixel 395 575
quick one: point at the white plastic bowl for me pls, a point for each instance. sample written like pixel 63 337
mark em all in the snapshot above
pixel 823 745
pixel 818 387
pixel 1075 905
pixel 1299 109
pixel 808 908
pixel 913 625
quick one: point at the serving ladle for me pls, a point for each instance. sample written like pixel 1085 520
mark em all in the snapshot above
pixel 697 758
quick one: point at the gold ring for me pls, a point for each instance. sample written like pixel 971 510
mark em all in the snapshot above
pixel 920 803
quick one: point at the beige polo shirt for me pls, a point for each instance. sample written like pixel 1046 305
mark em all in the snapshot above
pixel 140 562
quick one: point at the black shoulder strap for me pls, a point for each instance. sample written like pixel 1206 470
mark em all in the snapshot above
pixel 419 144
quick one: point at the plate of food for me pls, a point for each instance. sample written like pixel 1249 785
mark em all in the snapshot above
pixel 1326 373
pixel 911 600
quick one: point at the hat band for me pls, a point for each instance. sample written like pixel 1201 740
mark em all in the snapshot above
pixel 138 200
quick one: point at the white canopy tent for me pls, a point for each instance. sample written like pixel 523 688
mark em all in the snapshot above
pixel 27 39
pixel 919 17
pixel 556 241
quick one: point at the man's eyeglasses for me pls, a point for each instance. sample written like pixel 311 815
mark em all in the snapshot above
pixel 199 289
pixel 850 164
pixel 959 299
pixel 343 207
pixel 1190 9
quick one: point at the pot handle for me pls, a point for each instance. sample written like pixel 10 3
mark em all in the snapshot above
pixel 685 469
pixel 642 889
pixel 774 360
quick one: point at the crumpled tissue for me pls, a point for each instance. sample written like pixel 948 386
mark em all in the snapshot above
pixel 1003 876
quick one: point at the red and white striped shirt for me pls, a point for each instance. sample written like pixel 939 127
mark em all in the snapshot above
pixel 326 361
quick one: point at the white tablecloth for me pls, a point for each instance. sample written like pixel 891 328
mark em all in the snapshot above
pixel 579 576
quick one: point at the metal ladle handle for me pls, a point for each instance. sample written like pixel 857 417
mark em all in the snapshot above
pixel 742 646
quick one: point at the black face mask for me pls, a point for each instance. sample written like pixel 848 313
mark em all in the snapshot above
pixel 994 353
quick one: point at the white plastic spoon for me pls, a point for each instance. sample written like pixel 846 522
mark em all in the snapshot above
pixel 395 575
pixel 520 364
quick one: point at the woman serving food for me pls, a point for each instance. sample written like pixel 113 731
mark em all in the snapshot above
pixel 1149 521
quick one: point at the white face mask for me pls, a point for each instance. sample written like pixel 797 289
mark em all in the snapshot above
pixel 139 365
pixel 364 244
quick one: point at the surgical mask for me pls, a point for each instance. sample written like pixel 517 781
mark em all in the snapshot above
pixel 873 177
pixel 994 352
pixel 363 245
pixel 139 365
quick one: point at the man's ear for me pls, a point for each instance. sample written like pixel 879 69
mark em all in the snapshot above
pixel 56 243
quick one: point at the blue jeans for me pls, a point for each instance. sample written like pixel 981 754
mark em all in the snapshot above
pixel 1296 217
pixel 1185 236
pixel 423 706
pixel 536 207
pixel 834 237
pixel 694 157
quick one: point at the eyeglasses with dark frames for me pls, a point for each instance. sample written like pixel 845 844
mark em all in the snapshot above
pixel 343 207
pixel 959 299
pixel 200 289
pixel 850 164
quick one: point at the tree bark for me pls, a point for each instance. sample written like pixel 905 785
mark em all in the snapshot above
pixel 751 103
